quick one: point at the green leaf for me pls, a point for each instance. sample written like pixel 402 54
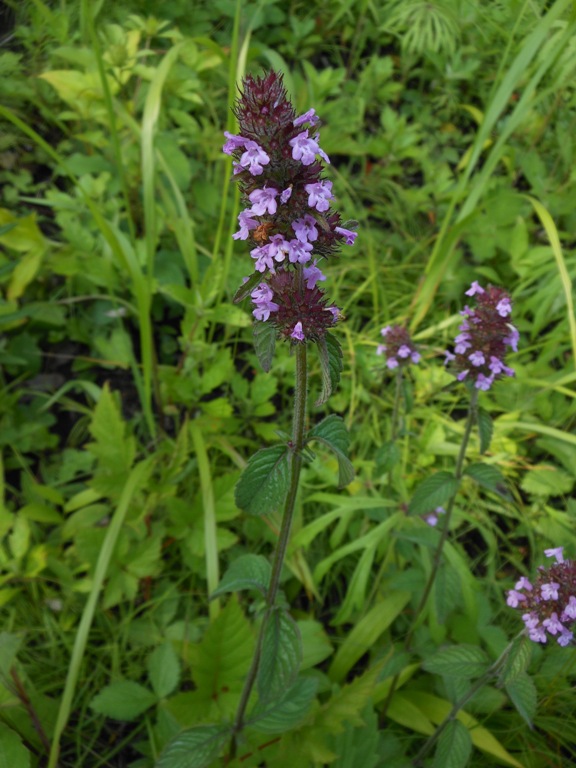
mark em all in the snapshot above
pixel 124 700
pixel 13 753
pixel 447 592
pixel 264 483
pixel 330 353
pixel 264 343
pixel 195 748
pixel 285 713
pixel 487 476
pixel 164 670
pixel 357 745
pixel 9 646
pixel 386 457
pixel 333 434
pixel 465 661
pixel 253 281
pixel 454 747
pixel 517 661
pixel 433 492
pixel 247 572
pixel 522 692
pixel 485 428
pixel 281 655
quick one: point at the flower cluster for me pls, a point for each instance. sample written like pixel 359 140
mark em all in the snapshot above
pixel 549 605
pixel 480 347
pixel 287 222
pixel 399 348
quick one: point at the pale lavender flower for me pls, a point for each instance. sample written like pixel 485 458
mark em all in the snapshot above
pixel 305 228
pixel 299 252
pixel 319 194
pixel 308 117
pixel 348 235
pixel 233 143
pixel 313 275
pixel 264 201
pixel 262 298
pixel 550 591
pixel 254 159
pixel 297 333
pixel 247 222
pixel 555 552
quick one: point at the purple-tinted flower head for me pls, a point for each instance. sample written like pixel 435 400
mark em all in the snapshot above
pixel 287 219
pixel 549 604
pixel 480 347
pixel 432 517
pixel 399 349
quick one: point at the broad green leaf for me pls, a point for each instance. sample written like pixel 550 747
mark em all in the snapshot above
pixel 9 645
pixel 433 492
pixel 123 700
pixel 330 353
pixel 465 661
pixel 333 434
pixel 487 476
pixel 366 632
pixel 547 481
pixel 316 645
pixel 281 656
pixel 485 429
pixel 346 704
pixel 454 747
pixel 357 745
pixel 447 593
pixel 247 572
pixel 264 343
pixel 13 753
pixel 264 483
pixel 164 670
pixel 220 661
pixel 253 282
pixel 285 713
pixel 195 748
pixel 522 692
pixel 517 661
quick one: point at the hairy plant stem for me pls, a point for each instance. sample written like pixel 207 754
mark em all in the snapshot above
pixel 298 435
pixel 470 421
pixel 491 672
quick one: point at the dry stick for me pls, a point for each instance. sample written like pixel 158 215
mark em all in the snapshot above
pixel 443 536
pixel 295 466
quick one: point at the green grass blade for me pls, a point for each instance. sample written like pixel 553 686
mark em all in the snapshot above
pixel 134 480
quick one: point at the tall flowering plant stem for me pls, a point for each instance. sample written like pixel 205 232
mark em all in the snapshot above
pixel 478 360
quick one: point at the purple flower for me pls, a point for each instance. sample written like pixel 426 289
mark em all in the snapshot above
pixel 392 363
pixel 305 228
pixel 514 598
pixel 523 583
pixel 278 248
pixel 556 552
pixel 348 235
pixel 570 609
pixel 297 333
pixel 553 625
pixel 285 195
pixel 432 517
pixel 399 348
pixel 299 251
pixel 474 289
pixel 477 358
pixel 313 275
pixel 306 149
pixel 262 298
pixel 264 259
pixel 254 158
pixel 264 201
pixel 247 222
pixel 307 117
pixel 319 194
pixel 550 591
pixel 233 143
pixel 504 307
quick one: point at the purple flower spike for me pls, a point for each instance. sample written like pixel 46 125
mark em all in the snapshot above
pixel 400 350
pixel 548 605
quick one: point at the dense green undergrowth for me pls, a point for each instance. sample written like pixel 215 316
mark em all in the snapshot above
pixel 131 396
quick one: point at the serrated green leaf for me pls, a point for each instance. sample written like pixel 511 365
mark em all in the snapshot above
pixel 281 656
pixel 485 429
pixel 195 748
pixel 333 434
pixel 247 572
pixel 522 692
pixel 465 661
pixel 285 713
pixel 123 700
pixel 357 745
pixel 264 483
pixel 486 475
pixel 517 661
pixel 447 592
pixel 13 753
pixel 346 704
pixel 264 343
pixel 163 670
pixel 433 492
pixel 454 747
pixel 330 353
pixel 254 280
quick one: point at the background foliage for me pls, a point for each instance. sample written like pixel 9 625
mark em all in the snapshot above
pixel 130 395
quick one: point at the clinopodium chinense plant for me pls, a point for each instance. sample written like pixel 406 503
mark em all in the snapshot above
pixel 290 227
pixel 549 604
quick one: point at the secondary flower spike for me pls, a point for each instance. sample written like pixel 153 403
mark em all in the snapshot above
pixel 399 348
pixel 485 333
pixel 287 221
pixel 549 604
